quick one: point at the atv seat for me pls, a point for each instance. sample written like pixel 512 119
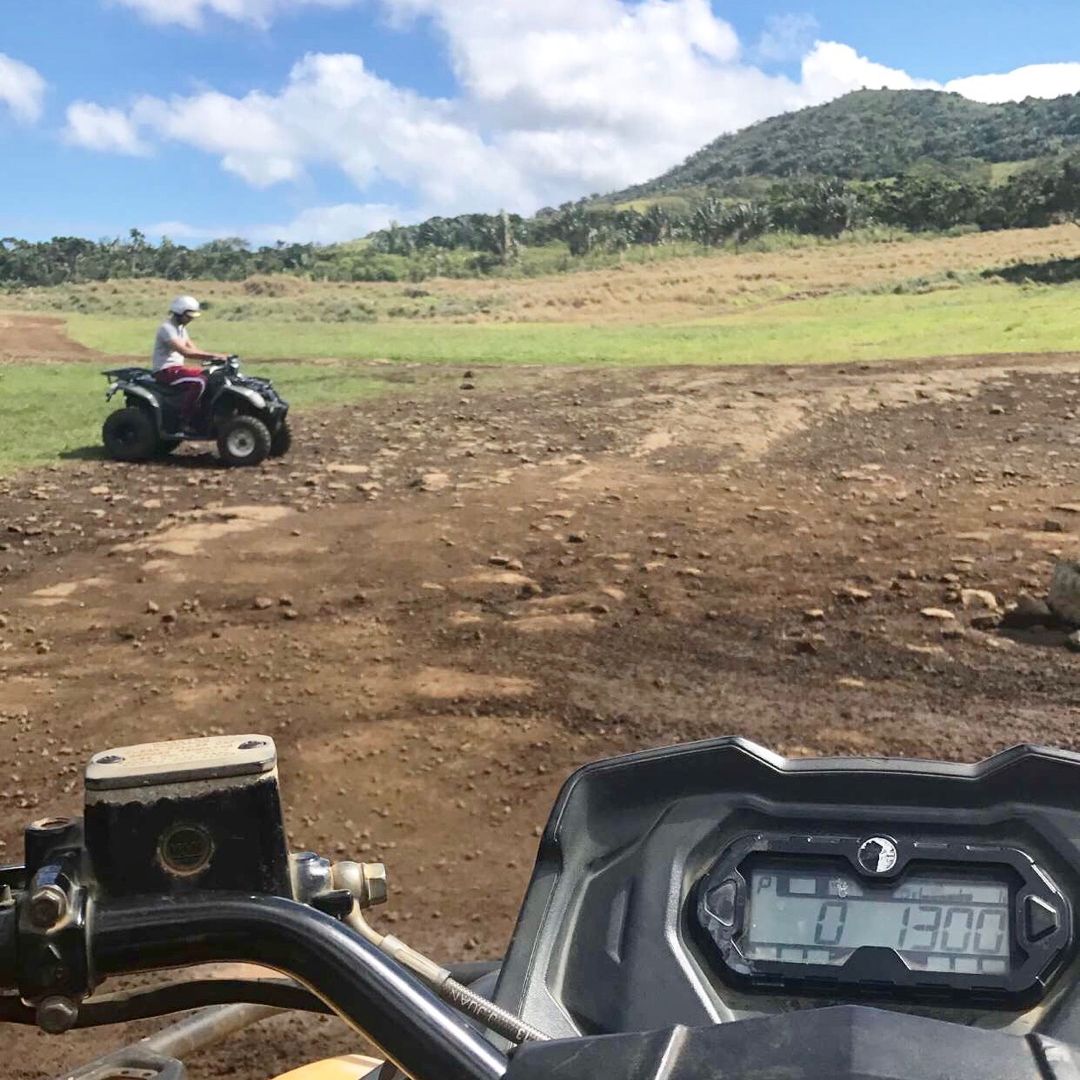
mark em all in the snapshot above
pixel 130 374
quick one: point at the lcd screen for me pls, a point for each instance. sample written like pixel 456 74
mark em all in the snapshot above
pixel 945 922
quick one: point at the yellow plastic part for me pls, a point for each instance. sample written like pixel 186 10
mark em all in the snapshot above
pixel 346 1068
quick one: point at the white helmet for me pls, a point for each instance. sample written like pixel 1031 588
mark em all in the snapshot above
pixel 185 305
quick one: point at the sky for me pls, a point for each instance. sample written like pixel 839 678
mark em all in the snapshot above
pixel 321 120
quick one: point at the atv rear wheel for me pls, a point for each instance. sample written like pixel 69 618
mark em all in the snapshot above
pixel 244 440
pixel 129 435
pixel 281 440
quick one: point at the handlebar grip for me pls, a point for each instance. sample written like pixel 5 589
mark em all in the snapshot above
pixel 366 988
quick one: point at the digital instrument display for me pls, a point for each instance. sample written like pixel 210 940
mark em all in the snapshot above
pixel 935 922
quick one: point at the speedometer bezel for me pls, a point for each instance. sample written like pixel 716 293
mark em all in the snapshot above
pixel 879 971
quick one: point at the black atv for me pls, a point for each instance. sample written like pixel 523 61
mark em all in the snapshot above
pixel 246 417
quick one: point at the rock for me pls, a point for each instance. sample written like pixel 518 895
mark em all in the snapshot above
pixel 152 608
pixel 432 481
pixel 169 617
pixel 290 613
pixel 928 650
pixel 854 595
pixel 979 599
pixel 499 560
pixel 1027 612
pixel 1052 526
pixel 1064 596
pixel 261 603
pixel 986 620
pixel 938 614
pixel 577 537
pixel 515 564
pixel 285 601
pixel 1072 642
pixel 814 615
pixel 997 410
pixel 907 574
pixel 1067 508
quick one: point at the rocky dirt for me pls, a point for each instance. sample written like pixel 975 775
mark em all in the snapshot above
pixel 445 600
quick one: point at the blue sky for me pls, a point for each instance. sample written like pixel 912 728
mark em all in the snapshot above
pixel 322 119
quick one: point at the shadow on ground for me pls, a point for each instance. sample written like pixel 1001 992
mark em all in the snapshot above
pixel 1051 272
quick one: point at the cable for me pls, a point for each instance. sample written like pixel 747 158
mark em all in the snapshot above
pixel 175 997
pixel 441 980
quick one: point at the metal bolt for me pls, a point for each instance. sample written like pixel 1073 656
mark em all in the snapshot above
pixel 55 1015
pixel 48 906
pixel 376 884
pixel 110 759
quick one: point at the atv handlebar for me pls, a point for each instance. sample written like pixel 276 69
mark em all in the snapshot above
pixel 372 993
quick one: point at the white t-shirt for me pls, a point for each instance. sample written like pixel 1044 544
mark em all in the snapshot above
pixel 165 354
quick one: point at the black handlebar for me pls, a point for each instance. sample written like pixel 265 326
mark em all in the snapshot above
pixel 367 989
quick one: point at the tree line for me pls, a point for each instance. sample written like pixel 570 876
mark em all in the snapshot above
pixel 477 244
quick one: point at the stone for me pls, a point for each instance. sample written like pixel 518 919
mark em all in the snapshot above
pixel 979 599
pixel 1072 642
pixel 938 614
pixel 1064 596
pixel 986 620
pixel 814 615
pixel 261 603
pixel 854 595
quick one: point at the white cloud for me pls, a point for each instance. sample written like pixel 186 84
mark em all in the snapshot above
pixel 557 98
pixel 98 128
pixel 318 224
pixel 192 13
pixel 22 90
pixel 832 69
pixel 1035 80
pixel 329 224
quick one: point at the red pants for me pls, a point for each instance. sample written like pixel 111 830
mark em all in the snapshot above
pixel 192 380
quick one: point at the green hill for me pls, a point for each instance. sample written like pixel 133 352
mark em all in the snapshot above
pixel 873 134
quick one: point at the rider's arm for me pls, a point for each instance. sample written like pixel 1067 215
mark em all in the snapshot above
pixel 188 350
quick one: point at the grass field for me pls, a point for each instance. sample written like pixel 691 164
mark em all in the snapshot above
pixel 979 318
pixel 49 411
pixel 861 301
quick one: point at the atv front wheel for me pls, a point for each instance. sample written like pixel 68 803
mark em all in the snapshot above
pixel 244 440
pixel 281 440
pixel 129 435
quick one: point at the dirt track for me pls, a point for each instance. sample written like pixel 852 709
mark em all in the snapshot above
pixel 363 603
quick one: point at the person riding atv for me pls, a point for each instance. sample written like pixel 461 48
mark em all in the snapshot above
pixel 172 346
pixel 172 403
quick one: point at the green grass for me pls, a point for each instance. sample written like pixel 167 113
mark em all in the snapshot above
pixel 973 318
pixel 51 410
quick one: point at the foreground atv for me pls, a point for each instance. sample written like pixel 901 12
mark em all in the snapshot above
pixel 701 912
pixel 246 417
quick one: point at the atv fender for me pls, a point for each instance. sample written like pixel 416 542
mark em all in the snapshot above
pixel 145 396
pixel 252 397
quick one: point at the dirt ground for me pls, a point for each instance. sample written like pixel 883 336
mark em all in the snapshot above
pixel 445 600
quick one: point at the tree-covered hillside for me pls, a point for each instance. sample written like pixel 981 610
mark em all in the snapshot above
pixel 873 134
